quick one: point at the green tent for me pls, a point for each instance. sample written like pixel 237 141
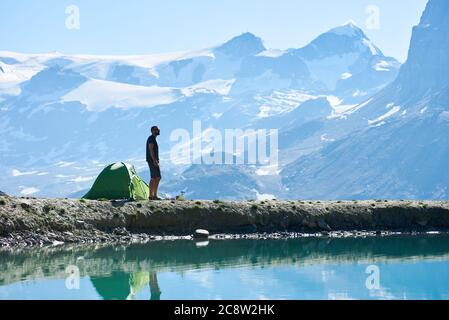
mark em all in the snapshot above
pixel 118 181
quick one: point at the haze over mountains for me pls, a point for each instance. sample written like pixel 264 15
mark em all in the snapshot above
pixel 351 125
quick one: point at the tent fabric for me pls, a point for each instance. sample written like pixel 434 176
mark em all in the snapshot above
pixel 118 181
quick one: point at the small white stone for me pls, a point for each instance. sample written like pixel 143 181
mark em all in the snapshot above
pixel 201 233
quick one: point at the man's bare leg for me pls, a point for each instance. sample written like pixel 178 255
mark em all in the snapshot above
pixel 156 186
pixel 152 185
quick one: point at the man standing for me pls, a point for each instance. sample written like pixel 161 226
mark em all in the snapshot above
pixel 153 162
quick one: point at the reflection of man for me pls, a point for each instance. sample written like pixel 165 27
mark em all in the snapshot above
pixel 154 287
pixel 152 150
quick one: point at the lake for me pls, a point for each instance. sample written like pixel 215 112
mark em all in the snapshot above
pixel 393 267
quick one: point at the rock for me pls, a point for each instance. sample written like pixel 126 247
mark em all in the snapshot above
pixel 202 244
pixel 2 194
pixel 323 225
pixel 121 232
pixel 201 234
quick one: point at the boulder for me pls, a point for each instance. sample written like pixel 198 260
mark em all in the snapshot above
pixel 201 234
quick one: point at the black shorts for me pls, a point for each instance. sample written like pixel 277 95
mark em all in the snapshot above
pixel 155 171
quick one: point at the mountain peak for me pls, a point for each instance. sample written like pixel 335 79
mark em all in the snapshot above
pixel 246 44
pixel 347 38
pixel 246 36
pixel 349 29
pixel 351 23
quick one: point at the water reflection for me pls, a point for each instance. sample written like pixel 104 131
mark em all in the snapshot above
pixel 294 269
pixel 125 286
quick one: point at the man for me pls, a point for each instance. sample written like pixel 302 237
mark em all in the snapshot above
pixel 153 162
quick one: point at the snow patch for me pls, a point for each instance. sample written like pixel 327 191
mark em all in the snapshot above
pixel 343 108
pixel 219 86
pixel 339 109
pixel 271 53
pixel 281 102
pixel 346 76
pixel 371 46
pixel 380 124
pixel 268 171
pixel 324 138
pixel 360 106
pixel 359 93
pixel 99 95
pixel 334 101
pixel 382 66
pixel 387 115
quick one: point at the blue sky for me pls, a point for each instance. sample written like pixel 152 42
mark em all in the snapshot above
pixel 148 26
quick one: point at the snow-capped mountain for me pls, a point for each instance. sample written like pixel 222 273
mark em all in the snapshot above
pixel 341 61
pixel 344 56
pixel 400 147
pixel 63 117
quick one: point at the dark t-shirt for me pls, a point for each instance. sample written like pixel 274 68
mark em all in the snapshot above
pixel 152 140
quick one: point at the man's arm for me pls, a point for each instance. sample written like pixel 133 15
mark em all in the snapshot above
pixel 153 155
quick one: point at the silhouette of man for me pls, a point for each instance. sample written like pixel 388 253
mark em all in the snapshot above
pixel 152 150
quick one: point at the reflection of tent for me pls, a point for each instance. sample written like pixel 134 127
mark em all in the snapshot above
pixel 137 281
pixel 124 286
pixel 118 181
pixel 114 287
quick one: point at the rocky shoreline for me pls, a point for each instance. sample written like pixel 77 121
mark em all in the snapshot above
pixel 42 222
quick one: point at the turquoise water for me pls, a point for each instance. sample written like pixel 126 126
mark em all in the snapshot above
pixel 399 267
